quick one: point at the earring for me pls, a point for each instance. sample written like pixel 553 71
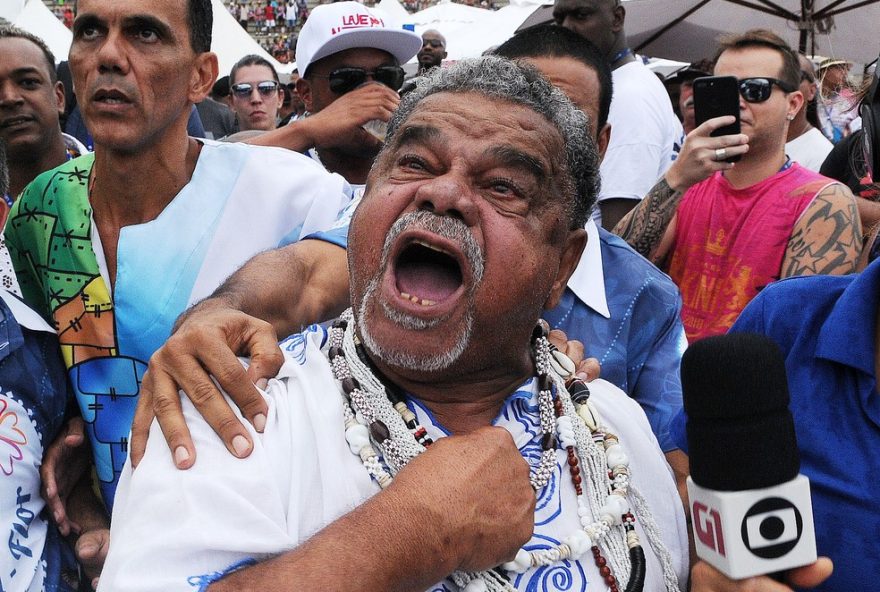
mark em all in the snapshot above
pixel 790 117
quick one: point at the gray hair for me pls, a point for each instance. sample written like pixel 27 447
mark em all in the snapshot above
pixel 497 77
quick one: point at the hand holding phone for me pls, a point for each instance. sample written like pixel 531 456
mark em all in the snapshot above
pixel 716 96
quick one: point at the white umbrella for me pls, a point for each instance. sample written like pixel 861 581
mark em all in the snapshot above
pixel 688 29
pixel 394 9
pixel 34 17
pixel 447 16
pixel 473 40
pixel 231 42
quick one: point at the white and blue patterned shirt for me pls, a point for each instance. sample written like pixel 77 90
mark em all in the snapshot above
pixel 182 530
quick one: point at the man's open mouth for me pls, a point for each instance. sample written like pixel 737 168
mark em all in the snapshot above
pixel 15 121
pixel 427 274
pixel 111 97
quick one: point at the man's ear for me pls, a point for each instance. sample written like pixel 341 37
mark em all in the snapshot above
pixel 602 140
pixel 795 102
pixel 619 18
pixel 811 93
pixel 304 90
pixel 59 97
pixel 204 75
pixel 571 256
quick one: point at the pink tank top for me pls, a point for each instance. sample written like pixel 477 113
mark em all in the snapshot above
pixel 730 243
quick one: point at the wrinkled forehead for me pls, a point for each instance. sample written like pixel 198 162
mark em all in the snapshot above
pixel 478 122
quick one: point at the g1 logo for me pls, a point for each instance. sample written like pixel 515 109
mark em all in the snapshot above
pixel 707 526
pixel 772 527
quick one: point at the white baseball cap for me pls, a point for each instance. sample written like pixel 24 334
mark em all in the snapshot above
pixel 335 27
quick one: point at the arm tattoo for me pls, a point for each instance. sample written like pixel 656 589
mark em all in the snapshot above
pixel 828 237
pixel 644 226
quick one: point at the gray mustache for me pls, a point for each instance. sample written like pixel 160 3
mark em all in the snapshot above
pixel 451 229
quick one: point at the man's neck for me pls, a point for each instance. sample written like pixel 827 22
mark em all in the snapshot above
pixel 465 401
pixel 798 127
pixel 756 168
pixel 25 169
pixel 620 55
pixel 133 188
pixel 352 168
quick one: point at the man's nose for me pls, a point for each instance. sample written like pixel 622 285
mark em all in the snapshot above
pixel 10 95
pixel 111 54
pixel 448 195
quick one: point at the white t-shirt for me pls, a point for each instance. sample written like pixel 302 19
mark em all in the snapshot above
pixel 179 530
pixel 809 150
pixel 645 135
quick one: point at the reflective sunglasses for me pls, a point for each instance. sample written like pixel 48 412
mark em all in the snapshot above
pixel 343 80
pixel 243 90
pixel 758 90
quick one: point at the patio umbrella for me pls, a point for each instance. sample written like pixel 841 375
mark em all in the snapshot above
pixel 688 29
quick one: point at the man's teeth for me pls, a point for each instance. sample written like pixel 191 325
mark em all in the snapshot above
pixel 432 247
pixel 417 300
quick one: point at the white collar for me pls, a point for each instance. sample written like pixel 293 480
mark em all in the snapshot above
pixel 588 279
pixel 25 315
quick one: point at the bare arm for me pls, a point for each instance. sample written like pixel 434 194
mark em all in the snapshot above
pixel 289 288
pixel 276 293
pixel 337 123
pixel 828 237
pixel 464 504
pixel 646 226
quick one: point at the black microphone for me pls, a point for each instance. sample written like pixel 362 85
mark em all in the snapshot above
pixel 750 506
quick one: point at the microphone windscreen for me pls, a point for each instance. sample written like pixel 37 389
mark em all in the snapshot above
pixel 740 431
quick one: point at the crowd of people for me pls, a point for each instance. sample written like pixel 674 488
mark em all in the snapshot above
pixel 452 261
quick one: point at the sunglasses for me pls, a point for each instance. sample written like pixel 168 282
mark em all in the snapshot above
pixel 432 43
pixel 343 80
pixel 758 90
pixel 243 90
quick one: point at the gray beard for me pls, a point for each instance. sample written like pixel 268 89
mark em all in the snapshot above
pixel 452 229
pixel 399 358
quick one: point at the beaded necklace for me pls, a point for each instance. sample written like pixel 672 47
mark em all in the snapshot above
pixel 386 435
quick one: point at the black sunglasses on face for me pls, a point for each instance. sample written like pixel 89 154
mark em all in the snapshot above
pixel 432 43
pixel 343 80
pixel 243 90
pixel 758 90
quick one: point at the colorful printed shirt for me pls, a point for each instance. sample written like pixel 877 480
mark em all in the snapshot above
pixel 302 475
pixel 34 397
pixel 240 201
pixel 730 243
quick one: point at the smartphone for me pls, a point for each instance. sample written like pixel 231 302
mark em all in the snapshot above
pixel 715 96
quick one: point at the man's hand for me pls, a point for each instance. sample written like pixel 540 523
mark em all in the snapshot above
pixel 698 158
pixel 587 369
pixel 91 552
pixel 205 344
pixel 65 463
pixel 705 578
pixel 473 492
pixel 339 123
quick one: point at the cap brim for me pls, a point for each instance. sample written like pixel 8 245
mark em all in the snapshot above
pixel 400 43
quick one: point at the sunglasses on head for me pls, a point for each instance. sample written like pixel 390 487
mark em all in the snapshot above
pixel 758 90
pixel 343 80
pixel 243 90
